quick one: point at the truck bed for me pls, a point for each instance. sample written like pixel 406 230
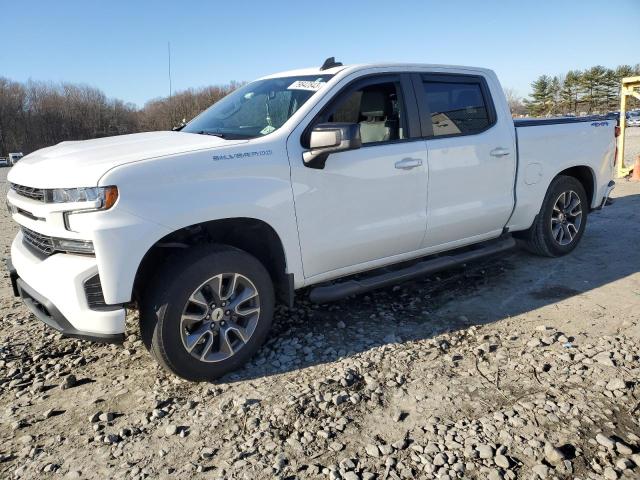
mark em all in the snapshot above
pixel 549 146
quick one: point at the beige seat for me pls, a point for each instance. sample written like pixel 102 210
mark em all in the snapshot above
pixel 374 127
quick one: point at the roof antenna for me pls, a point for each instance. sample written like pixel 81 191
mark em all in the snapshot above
pixel 169 52
pixel 170 93
pixel 330 63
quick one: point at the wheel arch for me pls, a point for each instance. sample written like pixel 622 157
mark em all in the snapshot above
pixel 529 198
pixel 585 175
pixel 251 235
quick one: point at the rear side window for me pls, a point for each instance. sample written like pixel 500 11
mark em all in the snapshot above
pixel 456 108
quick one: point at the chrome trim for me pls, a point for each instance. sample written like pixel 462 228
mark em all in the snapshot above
pixel 46 245
pixel 41 243
pixel 29 192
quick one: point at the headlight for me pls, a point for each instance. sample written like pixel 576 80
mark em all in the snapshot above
pixel 105 197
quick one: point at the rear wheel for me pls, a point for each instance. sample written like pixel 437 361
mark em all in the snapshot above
pixel 559 226
pixel 208 312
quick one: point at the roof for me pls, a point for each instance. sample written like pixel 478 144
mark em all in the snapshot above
pixel 305 71
pixel 353 68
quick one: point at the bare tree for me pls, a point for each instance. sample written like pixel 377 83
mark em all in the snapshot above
pixel 515 102
pixel 166 113
pixel 39 114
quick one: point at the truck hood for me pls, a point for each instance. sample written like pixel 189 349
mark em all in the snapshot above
pixel 82 163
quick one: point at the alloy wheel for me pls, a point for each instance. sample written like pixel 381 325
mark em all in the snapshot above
pixel 220 317
pixel 566 217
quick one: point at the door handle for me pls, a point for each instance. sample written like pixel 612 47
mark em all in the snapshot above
pixel 408 163
pixel 499 152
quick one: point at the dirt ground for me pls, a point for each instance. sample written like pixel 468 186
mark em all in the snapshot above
pixel 518 367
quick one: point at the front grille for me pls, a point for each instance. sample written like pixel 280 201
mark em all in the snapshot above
pixel 29 192
pixel 93 292
pixel 41 243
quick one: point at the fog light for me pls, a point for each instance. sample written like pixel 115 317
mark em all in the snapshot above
pixel 73 246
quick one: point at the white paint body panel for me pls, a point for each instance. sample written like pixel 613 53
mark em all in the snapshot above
pixel 546 150
pixel 359 208
pixel 82 163
pixel 357 214
pixel 471 191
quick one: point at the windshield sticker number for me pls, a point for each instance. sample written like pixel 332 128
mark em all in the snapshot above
pixel 306 85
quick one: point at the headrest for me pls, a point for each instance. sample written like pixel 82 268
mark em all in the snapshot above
pixel 372 104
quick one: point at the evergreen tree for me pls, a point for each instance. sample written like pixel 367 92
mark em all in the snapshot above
pixel 541 101
pixel 611 90
pixel 626 71
pixel 592 82
pixel 569 93
pixel 554 94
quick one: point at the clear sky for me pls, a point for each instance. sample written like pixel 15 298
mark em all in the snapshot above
pixel 121 46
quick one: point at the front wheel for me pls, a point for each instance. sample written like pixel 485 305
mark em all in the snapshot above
pixel 559 226
pixel 208 312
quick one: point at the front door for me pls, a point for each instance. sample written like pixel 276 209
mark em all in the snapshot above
pixel 366 204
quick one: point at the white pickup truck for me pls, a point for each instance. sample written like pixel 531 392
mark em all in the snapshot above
pixel 299 179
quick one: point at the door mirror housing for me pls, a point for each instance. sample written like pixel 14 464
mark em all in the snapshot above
pixel 328 138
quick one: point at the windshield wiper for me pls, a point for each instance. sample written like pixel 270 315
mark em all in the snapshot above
pixel 214 134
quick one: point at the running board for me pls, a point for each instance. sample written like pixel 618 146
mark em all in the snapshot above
pixel 336 291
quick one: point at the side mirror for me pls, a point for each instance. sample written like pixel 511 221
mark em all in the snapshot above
pixel 328 138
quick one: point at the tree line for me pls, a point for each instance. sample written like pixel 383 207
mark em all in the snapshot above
pixel 37 114
pixel 595 90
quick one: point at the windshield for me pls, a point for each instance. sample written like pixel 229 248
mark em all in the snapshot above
pixel 257 109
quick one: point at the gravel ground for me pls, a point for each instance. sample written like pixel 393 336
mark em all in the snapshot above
pixel 519 367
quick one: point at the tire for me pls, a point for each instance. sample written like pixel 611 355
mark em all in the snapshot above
pixel 543 238
pixel 220 295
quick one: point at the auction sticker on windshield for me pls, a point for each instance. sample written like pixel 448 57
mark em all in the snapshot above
pixel 306 85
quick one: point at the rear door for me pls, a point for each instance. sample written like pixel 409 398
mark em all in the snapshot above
pixel 472 158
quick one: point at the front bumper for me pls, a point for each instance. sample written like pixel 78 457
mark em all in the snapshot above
pixel 53 289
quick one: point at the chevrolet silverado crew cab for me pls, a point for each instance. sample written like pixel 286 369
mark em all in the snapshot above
pixel 338 178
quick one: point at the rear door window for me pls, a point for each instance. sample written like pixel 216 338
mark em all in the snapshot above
pixel 456 108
